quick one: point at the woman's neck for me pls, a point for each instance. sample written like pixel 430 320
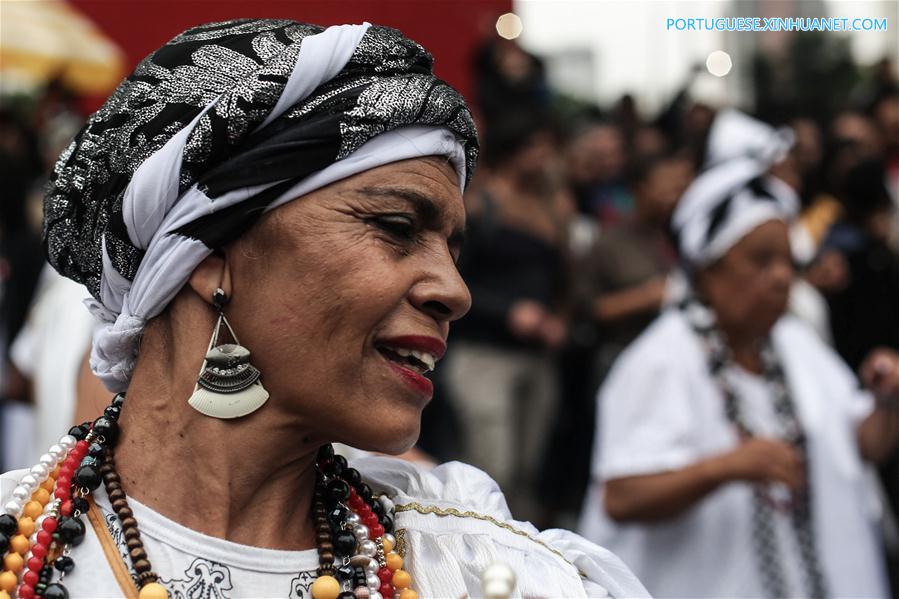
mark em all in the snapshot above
pixel 749 358
pixel 249 480
pixel 746 350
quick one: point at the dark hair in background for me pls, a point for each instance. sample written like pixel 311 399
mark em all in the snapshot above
pixel 20 166
pixel 864 191
pixel 697 148
pixel 506 136
pixel 19 242
pixel 640 169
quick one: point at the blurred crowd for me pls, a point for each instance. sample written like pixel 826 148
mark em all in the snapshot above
pixel 568 257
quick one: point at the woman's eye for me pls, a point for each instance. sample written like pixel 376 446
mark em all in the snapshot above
pixel 398 225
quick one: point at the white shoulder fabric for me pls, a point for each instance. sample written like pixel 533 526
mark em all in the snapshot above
pixel 153 208
pixel 456 516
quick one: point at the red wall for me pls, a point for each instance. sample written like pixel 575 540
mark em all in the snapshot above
pixel 449 29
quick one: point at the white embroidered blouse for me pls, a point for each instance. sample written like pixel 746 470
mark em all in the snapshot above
pixel 452 523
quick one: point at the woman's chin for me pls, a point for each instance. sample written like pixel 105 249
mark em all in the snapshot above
pixel 772 315
pixel 391 438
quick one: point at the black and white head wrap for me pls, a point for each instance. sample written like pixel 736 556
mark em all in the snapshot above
pixel 733 195
pixel 223 123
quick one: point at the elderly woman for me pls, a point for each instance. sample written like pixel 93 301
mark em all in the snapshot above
pixel 729 454
pixel 299 187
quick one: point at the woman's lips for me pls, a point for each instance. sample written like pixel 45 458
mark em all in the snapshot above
pixel 420 343
pixel 413 380
pixel 432 345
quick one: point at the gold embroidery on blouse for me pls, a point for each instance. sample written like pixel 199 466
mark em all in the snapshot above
pixel 442 512
pixel 400 535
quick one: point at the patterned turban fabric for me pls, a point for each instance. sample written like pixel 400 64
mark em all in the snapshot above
pixel 223 123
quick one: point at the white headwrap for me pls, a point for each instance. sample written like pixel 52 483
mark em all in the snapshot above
pixel 733 195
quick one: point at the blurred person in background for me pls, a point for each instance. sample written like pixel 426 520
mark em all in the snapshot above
pixel 597 168
pixel 20 266
pixel 627 271
pixel 730 445
pixel 618 287
pixel 851 127
pixel 649 142
pixel 507 78
pixel 49 352
pixel 500 374
pixel 808 152
pixel 625 115
pixel 822 249
pixel 886 114
pixel 815 270
pixel 864 312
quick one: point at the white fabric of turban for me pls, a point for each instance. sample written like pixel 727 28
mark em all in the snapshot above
pixel 733 195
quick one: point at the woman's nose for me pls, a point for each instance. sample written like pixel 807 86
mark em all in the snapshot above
pixel 783 273
pixel 442 294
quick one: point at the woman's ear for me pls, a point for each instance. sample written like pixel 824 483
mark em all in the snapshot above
pixel 209 275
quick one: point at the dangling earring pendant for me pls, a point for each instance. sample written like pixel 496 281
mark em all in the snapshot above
pixel 228 385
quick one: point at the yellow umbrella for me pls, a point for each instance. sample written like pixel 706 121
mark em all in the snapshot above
pixel 47 39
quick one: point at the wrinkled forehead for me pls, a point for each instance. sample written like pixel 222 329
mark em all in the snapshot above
pixel 437 172
pixel 430 184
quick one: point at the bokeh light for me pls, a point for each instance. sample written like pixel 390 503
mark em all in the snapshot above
pixel 719 63
pixel 509 26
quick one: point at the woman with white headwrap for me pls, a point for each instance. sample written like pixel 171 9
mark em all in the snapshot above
pixel 730 440
pixel 300 187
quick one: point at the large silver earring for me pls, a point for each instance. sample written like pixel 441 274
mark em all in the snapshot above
pixel 228 385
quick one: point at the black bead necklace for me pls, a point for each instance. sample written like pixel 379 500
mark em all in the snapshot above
pixel 353 529
pixel 702 320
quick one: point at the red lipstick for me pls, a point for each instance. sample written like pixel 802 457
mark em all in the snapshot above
pixel 417 382
pixel 420 343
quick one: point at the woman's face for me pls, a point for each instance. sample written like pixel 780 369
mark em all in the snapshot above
pixel 332 291
pixel 749 287
pixel 658 194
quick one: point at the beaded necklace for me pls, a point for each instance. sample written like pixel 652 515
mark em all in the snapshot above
pixel 765 502
pixel 43 521
pixel 70 471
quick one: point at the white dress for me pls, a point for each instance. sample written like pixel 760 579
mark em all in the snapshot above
pixel 452 520
pixel 659 410
pixel 49 350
